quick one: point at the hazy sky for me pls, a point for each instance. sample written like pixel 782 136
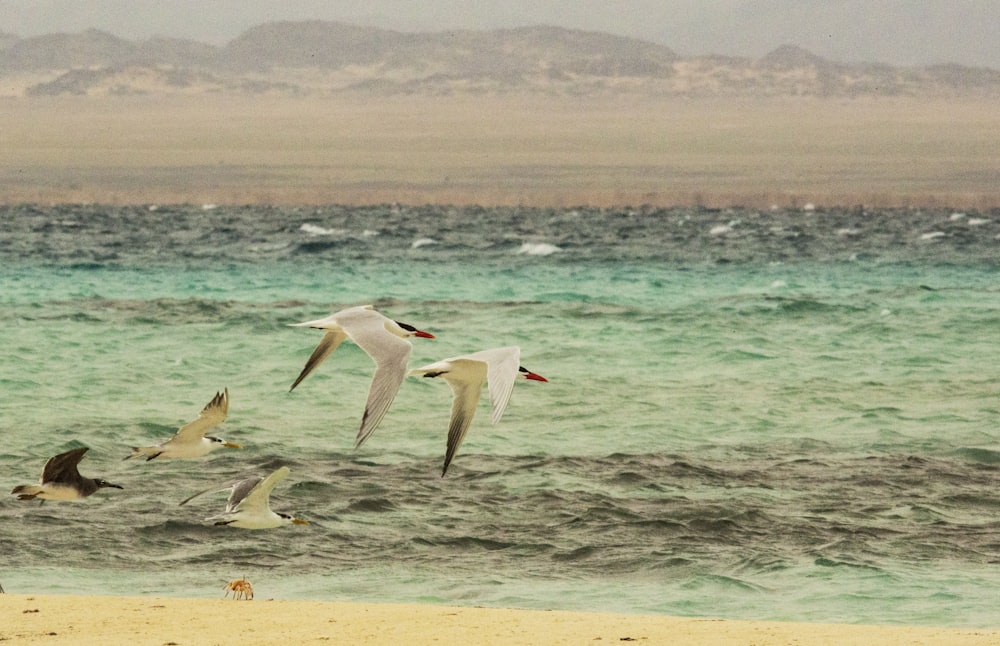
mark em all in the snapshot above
pixel 900 32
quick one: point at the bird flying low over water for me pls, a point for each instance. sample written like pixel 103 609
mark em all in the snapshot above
pixel 190 440
pixel 498 367
pixel 62 481
pixel 383 339
pixel 249 505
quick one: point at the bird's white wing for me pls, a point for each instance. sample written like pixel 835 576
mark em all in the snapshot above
pixel 240 490
pixel 228 486
pixel 390 354
pixel 330 341
pixel 501 373
pixel 257 497
pixel 213 414
pixel 463 408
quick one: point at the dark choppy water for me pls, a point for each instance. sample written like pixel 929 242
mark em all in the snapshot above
pixel 785 415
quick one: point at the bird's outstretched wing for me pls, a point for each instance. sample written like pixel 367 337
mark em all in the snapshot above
pixel 390 354
pixel 259 492
pixel 63 467
pixel 214 413
pixel 330 341
pixel 228 486
pixel 463 407
pixel 501 373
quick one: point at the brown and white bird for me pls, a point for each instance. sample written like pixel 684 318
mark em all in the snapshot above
pixel 190 440
pixel 499 368
pixel 383 339
pixel 62 481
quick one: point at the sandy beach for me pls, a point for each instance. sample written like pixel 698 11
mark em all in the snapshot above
pixel 54 619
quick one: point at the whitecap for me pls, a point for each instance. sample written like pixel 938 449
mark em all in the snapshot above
pixel 975 222
pixel 720 229
pixel 954 217
pixel 848 232
pixel 209 207
pixel 423 242
pixel 368 233
pixel 809 206
pixel 932 235
pixel 315 230
pixel 538 249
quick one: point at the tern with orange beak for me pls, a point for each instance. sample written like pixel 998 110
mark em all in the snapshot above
pixel 249 504
pixel 190 440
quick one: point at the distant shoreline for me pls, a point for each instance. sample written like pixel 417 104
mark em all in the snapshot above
pixel 502 151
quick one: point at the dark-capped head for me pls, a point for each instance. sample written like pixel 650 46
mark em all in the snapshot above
pixel 409 330
pixel 218 442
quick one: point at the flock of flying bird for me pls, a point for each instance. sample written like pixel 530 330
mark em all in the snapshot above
pixel 385 341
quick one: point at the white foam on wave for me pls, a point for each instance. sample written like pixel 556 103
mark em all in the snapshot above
pixel 933 235
pixel 316 230
pixel 538 249
pixel 423 242
pixel 720 230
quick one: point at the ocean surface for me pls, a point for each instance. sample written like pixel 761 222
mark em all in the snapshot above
pixel 785 414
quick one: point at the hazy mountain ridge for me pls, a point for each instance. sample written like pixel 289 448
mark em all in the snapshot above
pixel 316 57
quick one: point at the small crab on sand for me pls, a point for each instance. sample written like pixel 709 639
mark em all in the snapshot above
pixel 240 588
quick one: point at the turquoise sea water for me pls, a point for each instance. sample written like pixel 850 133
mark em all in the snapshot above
pixel 776 415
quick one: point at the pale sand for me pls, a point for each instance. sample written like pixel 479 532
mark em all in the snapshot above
pixel 58 619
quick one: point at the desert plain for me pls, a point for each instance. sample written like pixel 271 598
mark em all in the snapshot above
pixel 501 149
